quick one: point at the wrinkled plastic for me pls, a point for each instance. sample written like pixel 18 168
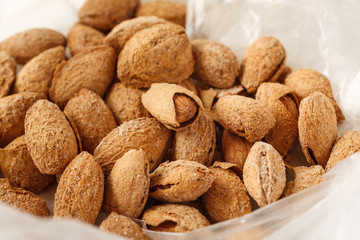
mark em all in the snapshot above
pixel 321 35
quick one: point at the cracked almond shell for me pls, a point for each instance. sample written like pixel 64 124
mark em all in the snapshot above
pixel 159 100
pixel 79 193
pixel 81 36
pixel 215 64
pixel 317 128
pixel 305 177
pixel 174 218
pixel 264 62
pixel 245 116
pixel 161 53
pixel 264 174
pixel 105 14
pixel 92 69
pixel 143 133
pixel 235 149
pixel 123 226
pixel 18 167
pixel 345 146
pixel 197 142
pixel 25 45
pixel 125 103
pixel 12 114
pixel 49 137
pixel 227 197
pixel 283 104
pixel 122 32
pixel 92 118
pixel 7 73
pixel 127 186
pixel 170 10
pixel 307 81
pixel 179 181
pixel 36 75
pixel 23 200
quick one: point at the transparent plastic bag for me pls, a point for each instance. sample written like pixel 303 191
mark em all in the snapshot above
pixel 320 35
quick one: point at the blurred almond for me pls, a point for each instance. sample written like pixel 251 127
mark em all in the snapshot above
pixel 7 73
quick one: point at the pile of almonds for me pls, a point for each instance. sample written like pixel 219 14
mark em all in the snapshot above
pixel 143 123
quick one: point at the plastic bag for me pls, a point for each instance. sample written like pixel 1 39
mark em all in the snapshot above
pixel 316 34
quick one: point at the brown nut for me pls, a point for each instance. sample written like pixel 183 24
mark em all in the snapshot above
pixel 174 106
pixel 49 137
pixel 161 53
pixel 127 187
pixel 345 146
pixel 25 45
pixel 81 37
pixel 23 200
pixel 307 81
pixel 92 69
pixel 317 128
pixel 245 116
pixel 36 75
pixel 215 64
pixel 122 32
pixel 179 181
pixel 235 149
pixel 197 142
pixel 122 226
pixel 283 104
pixel 80 191
pixel 18 167
pixel 227 197
pixel 105 14
pixel 171 11
pixel 12 114
pixel 143 133
pixel 305 177
pixel 264 62
pixel 125 103
pixel 174 218
pixel 7 73
pixel 92 117
pixel 264 174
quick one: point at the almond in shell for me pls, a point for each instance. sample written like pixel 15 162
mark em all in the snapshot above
pixel 92 69
pixel 174 218
pixel 143 133
pixel 92 117
pixel 19 168
pixel 174 106
pixel 283 104
pixel 125 103
pixel 179 181
pixel 36 75
pixel 49 137
pixel 170 10
pixel 264 174
pixel 23 200
pixel 79 193
pixel 161 53
pixel 127 186
pixel 245 116
pixel 7 73
pixel 317 128
pixel 345 146
pixel 122 226
pixel 12 114
pixel 25 45
pixel 197 142
pixel 81 36
pixel 227 197
pixel 264 62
